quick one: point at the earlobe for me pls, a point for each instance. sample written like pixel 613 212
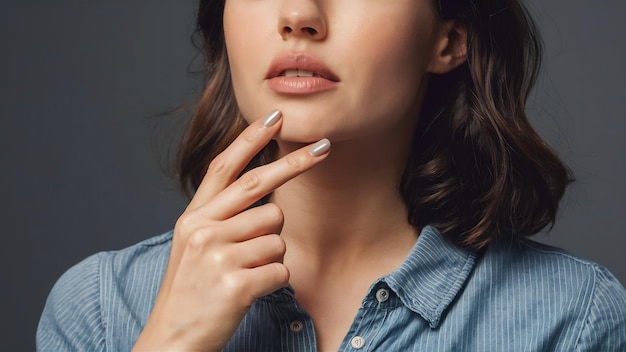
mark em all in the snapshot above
pixel 450 49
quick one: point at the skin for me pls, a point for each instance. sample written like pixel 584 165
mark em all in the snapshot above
pixel 340 222
pixel 356 41
pixel 241 247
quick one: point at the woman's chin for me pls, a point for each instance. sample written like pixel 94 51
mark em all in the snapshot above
pixel 300 137
pixel 305 125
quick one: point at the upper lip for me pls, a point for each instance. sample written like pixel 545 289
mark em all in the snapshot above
pixel 300 61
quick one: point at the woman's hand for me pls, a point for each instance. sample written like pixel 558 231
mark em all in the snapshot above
pixel 224 256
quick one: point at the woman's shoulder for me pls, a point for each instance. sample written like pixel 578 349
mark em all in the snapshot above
pixel 133 267
pixel 547 266
pixel 140 256
pixel 104 298
pixel 562 288
pixel 535 258
pixel 562 269
pixel 558 264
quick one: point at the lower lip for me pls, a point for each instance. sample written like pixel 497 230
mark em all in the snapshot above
pixel 300 85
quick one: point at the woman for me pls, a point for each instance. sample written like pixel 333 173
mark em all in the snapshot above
pixel 409 235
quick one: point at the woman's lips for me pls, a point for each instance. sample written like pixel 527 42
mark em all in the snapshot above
pixel 300 73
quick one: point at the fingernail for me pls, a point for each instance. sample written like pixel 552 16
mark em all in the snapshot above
pixel 272 118
pixel 320 148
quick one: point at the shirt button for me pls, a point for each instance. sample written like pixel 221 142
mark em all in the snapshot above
pixel 382 295
pixel 296 326
pixel 358 342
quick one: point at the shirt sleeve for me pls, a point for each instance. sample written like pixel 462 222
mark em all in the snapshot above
pixel 72 317
pixel 605 325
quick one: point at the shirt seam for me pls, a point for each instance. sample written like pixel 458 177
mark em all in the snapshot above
pixel 562 254
pixel 157 241
pixel 378 331
pixel 587 319
pixel 103 339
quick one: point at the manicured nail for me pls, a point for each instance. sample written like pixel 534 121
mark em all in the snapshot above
pixel 320 148
pixel 272 118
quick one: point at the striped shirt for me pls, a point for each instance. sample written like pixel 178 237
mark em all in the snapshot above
pixel 442 298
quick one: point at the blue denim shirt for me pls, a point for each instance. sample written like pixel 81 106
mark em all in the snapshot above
pixel 442 298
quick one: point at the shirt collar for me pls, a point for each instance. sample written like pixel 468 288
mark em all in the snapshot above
pixel 431 276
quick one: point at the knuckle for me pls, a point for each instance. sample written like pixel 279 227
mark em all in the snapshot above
pixel 279 244
pixel 196 241
pixel 295 162
pixel 275 214
pixel 199 239
pixel 249 181
pixel 250 135
pixel 233 285
pixel 280 273
pixel 217 165
pixel 219 259
pixel 184 224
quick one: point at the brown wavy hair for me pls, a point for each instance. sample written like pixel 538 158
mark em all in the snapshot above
pixel 478 171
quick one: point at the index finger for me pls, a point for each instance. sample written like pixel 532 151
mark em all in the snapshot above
pixel 260 181
pixel 225 168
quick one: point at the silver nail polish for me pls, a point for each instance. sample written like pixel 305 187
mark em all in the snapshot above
pixel 320 147
pixel 272 118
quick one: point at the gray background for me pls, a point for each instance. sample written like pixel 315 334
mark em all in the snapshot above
pixel 83 152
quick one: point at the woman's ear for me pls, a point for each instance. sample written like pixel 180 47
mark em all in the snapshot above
pixel 450 48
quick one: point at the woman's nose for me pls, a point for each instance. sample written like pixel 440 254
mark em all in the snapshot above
pixel 302 19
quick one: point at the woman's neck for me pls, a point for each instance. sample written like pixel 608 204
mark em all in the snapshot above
pixel 348 210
